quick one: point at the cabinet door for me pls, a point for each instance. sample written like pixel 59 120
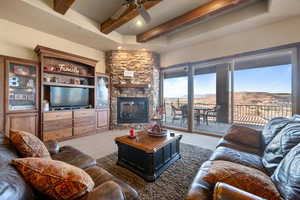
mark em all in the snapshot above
pixel 24 122
pixel 102 92
pixel 21 86
pixel 102 119
pixel 1 94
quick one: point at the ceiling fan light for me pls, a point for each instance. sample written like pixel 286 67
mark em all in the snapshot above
pixel 139 23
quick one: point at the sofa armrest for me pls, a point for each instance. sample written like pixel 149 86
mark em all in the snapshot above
pixel 106 191
pixel 224 191
pixel 52 146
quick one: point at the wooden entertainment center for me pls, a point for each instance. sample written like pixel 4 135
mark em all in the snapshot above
pixel 29 102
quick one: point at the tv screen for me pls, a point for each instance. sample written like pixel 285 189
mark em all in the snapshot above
pixel 67 97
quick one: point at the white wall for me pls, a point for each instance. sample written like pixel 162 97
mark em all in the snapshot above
pixel 19 41
pixel 276 34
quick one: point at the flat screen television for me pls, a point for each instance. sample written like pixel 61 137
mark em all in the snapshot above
pixel 69 97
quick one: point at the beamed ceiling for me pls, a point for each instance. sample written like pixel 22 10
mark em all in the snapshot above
pixel 101 10
pixel 167 15
pixel 175 23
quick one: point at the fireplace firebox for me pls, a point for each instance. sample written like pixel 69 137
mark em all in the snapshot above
pixel 132 110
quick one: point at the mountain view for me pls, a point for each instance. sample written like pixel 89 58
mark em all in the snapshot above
pixel 259 93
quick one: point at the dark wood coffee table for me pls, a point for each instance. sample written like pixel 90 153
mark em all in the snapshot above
pixel 148 156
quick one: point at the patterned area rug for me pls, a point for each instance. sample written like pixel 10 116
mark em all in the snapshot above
pixel 173 184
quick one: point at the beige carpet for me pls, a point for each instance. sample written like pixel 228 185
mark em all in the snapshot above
pixel 173 183
pixel 103 144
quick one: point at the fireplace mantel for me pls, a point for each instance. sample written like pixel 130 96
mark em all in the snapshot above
pixel 145 86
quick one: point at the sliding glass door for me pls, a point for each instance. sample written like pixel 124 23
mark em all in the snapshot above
pixel 175 98
pixel 248 90
pixel 262 89
pixel 211 102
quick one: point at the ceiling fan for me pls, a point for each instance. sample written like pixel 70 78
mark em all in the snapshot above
pixel 137 4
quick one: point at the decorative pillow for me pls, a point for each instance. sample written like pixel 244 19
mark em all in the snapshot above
pixel 273 127
pixel 28 145
pixel 239 176
pixel 244 135
pixel 282 143
pixel 287 175
pixel 56 179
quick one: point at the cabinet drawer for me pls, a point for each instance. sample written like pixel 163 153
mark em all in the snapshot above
pixel 85 130
pixel 59 134
pixel 83 113
pixel 57 124
pixel 86 121
pixel 57 115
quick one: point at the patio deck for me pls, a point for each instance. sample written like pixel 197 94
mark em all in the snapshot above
pixel 212 127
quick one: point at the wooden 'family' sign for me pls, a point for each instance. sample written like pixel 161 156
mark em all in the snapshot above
pixel 68 68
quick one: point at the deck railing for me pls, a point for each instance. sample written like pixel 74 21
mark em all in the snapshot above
pixel 242 114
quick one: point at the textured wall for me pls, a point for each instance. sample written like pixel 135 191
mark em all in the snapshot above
pixel 270 35
pixel 145 66
pixel 20 41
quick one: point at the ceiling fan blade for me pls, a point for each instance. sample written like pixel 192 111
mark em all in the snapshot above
pixel 144 13
pixel 120 12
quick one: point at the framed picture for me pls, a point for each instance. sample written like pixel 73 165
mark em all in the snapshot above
pixel 21 70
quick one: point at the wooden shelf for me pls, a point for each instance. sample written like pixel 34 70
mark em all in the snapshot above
pixel 69 74
pixel 69 85
pixel 142 86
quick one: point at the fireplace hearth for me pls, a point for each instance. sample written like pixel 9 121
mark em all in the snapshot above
pixel 132 110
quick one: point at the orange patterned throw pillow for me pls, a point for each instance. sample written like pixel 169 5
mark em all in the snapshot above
pixel 28 145
pixel 56 179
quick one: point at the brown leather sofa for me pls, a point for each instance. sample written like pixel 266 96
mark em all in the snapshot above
pixel 276 155
pixel 13 187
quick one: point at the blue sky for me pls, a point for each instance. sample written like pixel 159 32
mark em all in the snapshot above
pixel 267 79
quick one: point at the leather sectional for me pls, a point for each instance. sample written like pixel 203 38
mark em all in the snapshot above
pixel 13 186
pixel 241 170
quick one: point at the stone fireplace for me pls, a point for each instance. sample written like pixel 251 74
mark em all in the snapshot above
pixel 133 99
pixel 132 110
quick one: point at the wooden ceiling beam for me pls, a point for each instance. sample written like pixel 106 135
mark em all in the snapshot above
pixel 214 7
pixel 62 6
pixel 110 25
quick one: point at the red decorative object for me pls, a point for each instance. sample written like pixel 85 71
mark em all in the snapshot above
pixel 132 132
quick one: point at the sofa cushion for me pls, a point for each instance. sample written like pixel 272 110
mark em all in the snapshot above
pixel 273 127
pixel 56 179
pixel 74 157
pixel 240 147
pixel 107 191
pixel 28 145
pixel 240 157
pixel 242 177
pixel 101 176
pixel 282 143
pixel 244 135
pixel 12 184
pixel 287 175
